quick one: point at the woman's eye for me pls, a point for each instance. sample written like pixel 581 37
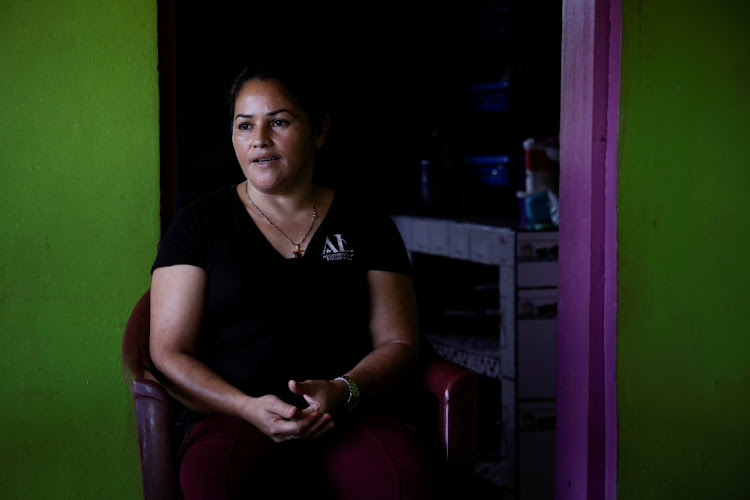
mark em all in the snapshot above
pixel 279 123
pixel 244 126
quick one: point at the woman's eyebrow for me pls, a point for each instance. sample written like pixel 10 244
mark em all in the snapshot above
pixel 270 113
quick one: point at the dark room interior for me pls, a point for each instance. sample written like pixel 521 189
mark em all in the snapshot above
pixel 405 85
pixel 432 86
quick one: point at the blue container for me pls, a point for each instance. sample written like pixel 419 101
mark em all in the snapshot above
pixel 490 170
pixel 491 97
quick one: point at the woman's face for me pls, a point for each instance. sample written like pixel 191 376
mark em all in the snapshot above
pixel 273 138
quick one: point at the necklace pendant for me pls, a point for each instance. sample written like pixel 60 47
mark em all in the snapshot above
pixel 298 252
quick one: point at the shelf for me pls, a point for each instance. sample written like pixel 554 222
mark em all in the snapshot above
pixel 463 267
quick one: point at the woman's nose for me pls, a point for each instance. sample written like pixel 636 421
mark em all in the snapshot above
pixel 260 139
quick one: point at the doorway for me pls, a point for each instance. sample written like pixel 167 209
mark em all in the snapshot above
pixel 392 73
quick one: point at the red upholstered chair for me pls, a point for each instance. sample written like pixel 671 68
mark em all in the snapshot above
pixel 453 386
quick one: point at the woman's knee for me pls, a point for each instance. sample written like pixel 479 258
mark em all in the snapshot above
pixel 218 455
pixel 378 458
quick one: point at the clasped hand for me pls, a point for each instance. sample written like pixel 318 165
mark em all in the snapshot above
pixel 282 421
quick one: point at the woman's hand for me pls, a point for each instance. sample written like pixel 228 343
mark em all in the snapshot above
pixel 282 422
pixel 324 396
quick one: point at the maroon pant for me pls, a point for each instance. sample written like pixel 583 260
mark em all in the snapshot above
pixel 375 457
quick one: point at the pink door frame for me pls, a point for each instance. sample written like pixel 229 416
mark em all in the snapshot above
pixel 586 444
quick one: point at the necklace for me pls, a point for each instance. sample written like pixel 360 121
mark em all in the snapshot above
pixel 298 252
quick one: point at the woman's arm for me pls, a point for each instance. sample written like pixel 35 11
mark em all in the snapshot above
pixel 394 329
pixel 177 302
pixel 395 339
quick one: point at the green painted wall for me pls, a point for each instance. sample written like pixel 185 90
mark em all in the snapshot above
pixel 683 373
pixel 79 153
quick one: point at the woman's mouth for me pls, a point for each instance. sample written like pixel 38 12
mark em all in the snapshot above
pixel 264 160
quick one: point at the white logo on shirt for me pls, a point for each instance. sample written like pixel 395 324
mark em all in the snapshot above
pixel 336 249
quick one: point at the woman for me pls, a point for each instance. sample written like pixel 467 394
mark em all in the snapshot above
pixel 277 304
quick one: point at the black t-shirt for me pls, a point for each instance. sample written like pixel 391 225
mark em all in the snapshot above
pixel 269 319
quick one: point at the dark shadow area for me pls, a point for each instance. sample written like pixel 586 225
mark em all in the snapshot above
pixel 401 79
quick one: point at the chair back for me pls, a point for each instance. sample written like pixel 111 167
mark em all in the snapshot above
pixel 152 406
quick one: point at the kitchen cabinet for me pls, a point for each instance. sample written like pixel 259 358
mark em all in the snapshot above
pixel 515 354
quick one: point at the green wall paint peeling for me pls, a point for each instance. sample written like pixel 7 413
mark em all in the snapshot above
pixel 79 155
pixel 683 240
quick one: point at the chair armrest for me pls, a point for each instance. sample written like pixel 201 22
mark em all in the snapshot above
pixel 456 389
pixel 153 419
